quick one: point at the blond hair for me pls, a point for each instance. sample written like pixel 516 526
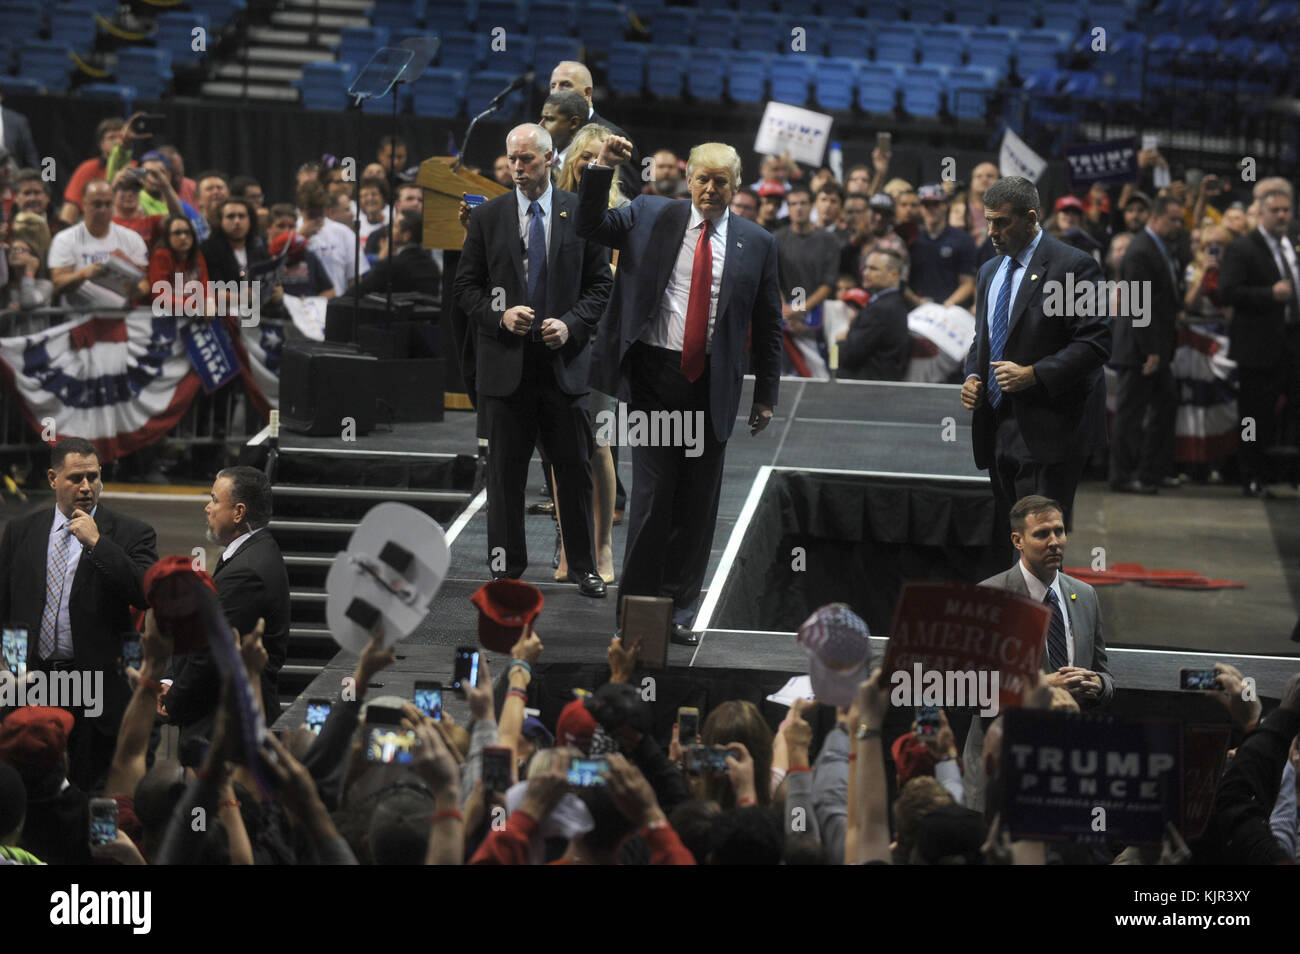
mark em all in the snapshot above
pixel 584 137
pixel 715 155
pixel 896 187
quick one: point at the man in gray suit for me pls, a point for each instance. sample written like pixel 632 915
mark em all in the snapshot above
pixel 1074 658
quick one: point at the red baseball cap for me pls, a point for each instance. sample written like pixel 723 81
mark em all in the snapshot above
pixel 1068 202
pixel 770 187
pixel 575 726
pixel 168 589
pixel 505 607
pixel 911 758
pixel 35 737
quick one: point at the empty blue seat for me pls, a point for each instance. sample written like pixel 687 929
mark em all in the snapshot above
pixel 885 10
pixel 73 26
pixel 817 33
pixel 923 91
pixel 325 85
pixel 601 24
pixel 439 92
pixel 790 76
pixel 666 70
pixel 1063 16
pixel 1037 50
pixel 126 95
pixel 764 33
pixel 673 26
pixel 714 28
pixel 834 83
pixel 1279 17
pixel 358 44
pixel 706 78
pixel 991 47
pixel 551 51
pixel 499 13
pixel 972 12
pixel 851 38
pixel 896 43
pixel 149 71
pixel 176 35
pixel 218 12
pixel 747 77
pixel 442 15
pixel 484 85
pixel 627 68
pixel 943 45
pixel 46 62
pixel 22 86
pixel 840 9
pixel 551 17
pixel 877 87
pixel 398 14
pixel 926 11
pixel 22 19
pixel 968 89
pixel 463 50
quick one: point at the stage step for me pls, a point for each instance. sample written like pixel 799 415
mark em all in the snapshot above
pixel 304 19
pixel 296 37
pixel 375 494
pixel 359 8
pixel 225 89
pixel 237 72
pixel 312 526
pixel 312 641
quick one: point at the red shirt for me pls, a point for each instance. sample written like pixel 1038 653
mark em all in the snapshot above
pixel 509 846
pixel 163 268
pixel 90 169
pixel 148 227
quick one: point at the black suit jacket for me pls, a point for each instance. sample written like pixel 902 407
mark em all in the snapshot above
pixel 878 346
pixel 412 270
pixel 1246 280
pixel 18 140
pixel 630 180
pixel 1055 417
pixel 577 287
pixel 108 582
pixel 648 235
pixel 252 584
pixel 1144 263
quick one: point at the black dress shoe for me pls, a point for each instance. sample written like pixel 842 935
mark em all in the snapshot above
pixel 683 636
pixel 542 506
pixel 589 584
pixel 1135 487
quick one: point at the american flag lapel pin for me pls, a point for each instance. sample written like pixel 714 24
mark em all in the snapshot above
pixel 1032 278
pixel 563 214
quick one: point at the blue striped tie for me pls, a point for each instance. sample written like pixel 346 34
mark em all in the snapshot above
pixel 1058 654
pixel 998 330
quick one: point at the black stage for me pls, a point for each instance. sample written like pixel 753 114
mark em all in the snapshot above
pixel 910 443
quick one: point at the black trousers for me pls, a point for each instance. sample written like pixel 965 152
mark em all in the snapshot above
pixel 537 408
pixel 1142 430
pixel 93 741
pixel 1015 474
pixel 1257 394
pixel 673 507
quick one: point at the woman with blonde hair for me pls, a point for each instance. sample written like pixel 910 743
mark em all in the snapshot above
pixel 29 283
pixel 583 149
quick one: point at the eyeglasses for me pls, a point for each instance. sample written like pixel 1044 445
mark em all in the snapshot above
pixel 185 232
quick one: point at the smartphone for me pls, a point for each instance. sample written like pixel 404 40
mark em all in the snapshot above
pixel 132 655
pixel 14 647
pixel 383 715
pixel 428 699
pixel 704 758
pixel 927 720
pixel 496 767
pixel 147 118
pixel 584 773
pixel 103 821
pixel 473 200
pixel 1149 142
pixel 884 141
pixel 688 725
pixel 390 745
pixel 318 710
pixel 466 671
pixel 1197 679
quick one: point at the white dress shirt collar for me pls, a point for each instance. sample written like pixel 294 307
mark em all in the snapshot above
pixel 544 200
pixel 236 543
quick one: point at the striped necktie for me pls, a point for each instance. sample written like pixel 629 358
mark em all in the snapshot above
pixel 998 330
pixel 55 576
pixel 1058 654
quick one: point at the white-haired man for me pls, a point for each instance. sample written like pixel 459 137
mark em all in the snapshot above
pixel 694 285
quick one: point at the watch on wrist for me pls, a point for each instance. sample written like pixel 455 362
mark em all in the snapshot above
pixel 866 732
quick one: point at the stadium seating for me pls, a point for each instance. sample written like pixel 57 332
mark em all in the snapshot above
pixel 439 93
pixel 896 43
pixel 666 70
pixel 834 83
pixel 707 74
pixel 462 50
pixel 149 71
pixel 852 38
pixel 324 85
pixel 126 95
pixel 878 85
pixel 923 91
pixel 73 25
pixel 484 85
pixel 747 78
pixel 47 63
pixel 965 86
pixel 626 68
pixel 175 35
pixel 790 77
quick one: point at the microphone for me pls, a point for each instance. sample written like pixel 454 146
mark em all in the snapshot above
pixel 518 83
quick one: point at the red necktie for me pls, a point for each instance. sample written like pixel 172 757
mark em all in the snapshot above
pixel 697 308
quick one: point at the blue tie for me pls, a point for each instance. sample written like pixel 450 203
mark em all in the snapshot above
pixel 1058 654
pixel 536 264
pixel 998 330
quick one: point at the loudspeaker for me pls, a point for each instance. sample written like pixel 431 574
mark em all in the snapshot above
pixel 340 324
pixel 323 382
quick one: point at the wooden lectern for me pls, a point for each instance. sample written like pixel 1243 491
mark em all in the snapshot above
pixel 442 197
pixel 442 229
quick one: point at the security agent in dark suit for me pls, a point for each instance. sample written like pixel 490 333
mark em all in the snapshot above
pixel 1142 449
pixel 1029 376
pixel 252 584
pixel 70 577
pixel 878 346
pixel 572 75
pixel 534 313
pixel 1259 279
pixel 18 139
pixel 1074 657
pixel 678 344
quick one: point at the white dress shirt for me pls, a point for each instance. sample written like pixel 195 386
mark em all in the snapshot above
pixel 1038 591
pixel 667 329
pixel 63 622
pixel 236 543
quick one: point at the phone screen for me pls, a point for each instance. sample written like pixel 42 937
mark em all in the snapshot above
pixel 703 758
pixel 927 720
pixel 428 699
pixel 391 745
pixel 884 140
pixel 14 647
pixel 132 655
pixel 496 768
pixel 585 773
pixel 103 821
pixel 466 672
pixel 688 725
pixel 318 710
pixel 1197 679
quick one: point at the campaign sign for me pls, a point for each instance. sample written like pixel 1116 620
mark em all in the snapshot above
pixel 1114 160
pixel 211 352
pixel 1089 779
pixel 800 132
pixel 959 627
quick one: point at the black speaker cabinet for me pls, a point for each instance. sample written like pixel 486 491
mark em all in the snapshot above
pixel 323 382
